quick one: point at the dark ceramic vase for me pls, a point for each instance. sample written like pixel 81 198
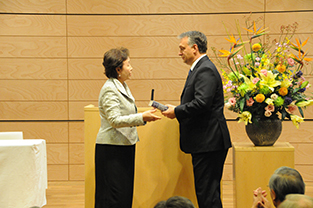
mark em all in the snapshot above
pixel 264 132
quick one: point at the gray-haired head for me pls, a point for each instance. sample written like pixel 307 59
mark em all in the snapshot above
pixel 175 202
pixel 285 181
pixel 196 37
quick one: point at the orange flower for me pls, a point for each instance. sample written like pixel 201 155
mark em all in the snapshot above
pixel 260 98
pixel 281 68
pixel 283 91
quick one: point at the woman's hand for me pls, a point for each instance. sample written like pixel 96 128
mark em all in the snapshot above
pixel 150 116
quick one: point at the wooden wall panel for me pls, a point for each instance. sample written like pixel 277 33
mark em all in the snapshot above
pixel 28 90
pixel 76 154
pixel 33 110
pixel 151 25
pixel 58 172
pixel 305 171
pixel 76 172
pixel 53 47
pixel 288 5
pixel 33 6
pixel 21 68
pixel 141 90
pixel 76 132
pixel 86 69
pixel 20 25
pixel 57 154
pixel 168 6
pixel 76 108
pixel 274 21
pixel 153 47
pixel 96 46
pixel 293 135
pixel 52 132
pixel 303 153
pixel 143 68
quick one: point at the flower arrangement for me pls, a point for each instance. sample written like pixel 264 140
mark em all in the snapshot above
pixel 263 79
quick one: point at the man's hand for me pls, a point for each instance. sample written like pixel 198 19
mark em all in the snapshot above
pixel 169 113
pixel 259 199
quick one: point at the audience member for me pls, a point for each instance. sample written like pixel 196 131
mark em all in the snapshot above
pixel 297 201
pixel 175 202
pixel 284 181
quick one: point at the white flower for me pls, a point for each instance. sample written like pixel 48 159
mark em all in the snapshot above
pixel 274 96
pixel 227 105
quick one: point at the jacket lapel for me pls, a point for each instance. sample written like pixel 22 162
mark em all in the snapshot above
pixel 123 90
pixel 192 74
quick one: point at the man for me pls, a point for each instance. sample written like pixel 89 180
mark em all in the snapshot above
pixel 284 181
pixel 203 129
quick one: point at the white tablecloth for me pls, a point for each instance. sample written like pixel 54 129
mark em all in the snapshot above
pixel 23 173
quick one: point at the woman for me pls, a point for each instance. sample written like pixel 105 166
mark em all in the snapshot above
pixel 117 136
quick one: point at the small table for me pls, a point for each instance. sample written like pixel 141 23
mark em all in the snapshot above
pixel 23 173
pixel 253 167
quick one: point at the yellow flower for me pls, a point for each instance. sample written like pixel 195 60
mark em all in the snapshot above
pixel 305 103
pixel 269 101
pixel 269 80
pixel 286 83
pixel 245 117
pixel 249 82
pixel 281 68
pixel 259 98
pixel 283 91
pixel 296 120
pixel 256 47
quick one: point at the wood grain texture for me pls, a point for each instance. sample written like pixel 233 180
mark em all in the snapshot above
pixel 33 110
pixel 76 109
pixel 303 153
pixel 57 154
pixel 143 68
pixel 306 171
pixel 35 25
pixel 52 132
pixel 52 47
pixel 33 90
pixel 76 172
pixel 152 25
pixel 166 6
pixel 58 172
pixel 21 68
pixel 274 21
pixel 141 90
pixel 76 132
pixel 76 154
pixel 33 6
pixel 147 47
pixel 288 5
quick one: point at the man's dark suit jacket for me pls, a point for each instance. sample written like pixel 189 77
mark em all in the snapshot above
pixel 203 126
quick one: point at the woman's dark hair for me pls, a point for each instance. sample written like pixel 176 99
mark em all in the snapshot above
pixel 114 59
